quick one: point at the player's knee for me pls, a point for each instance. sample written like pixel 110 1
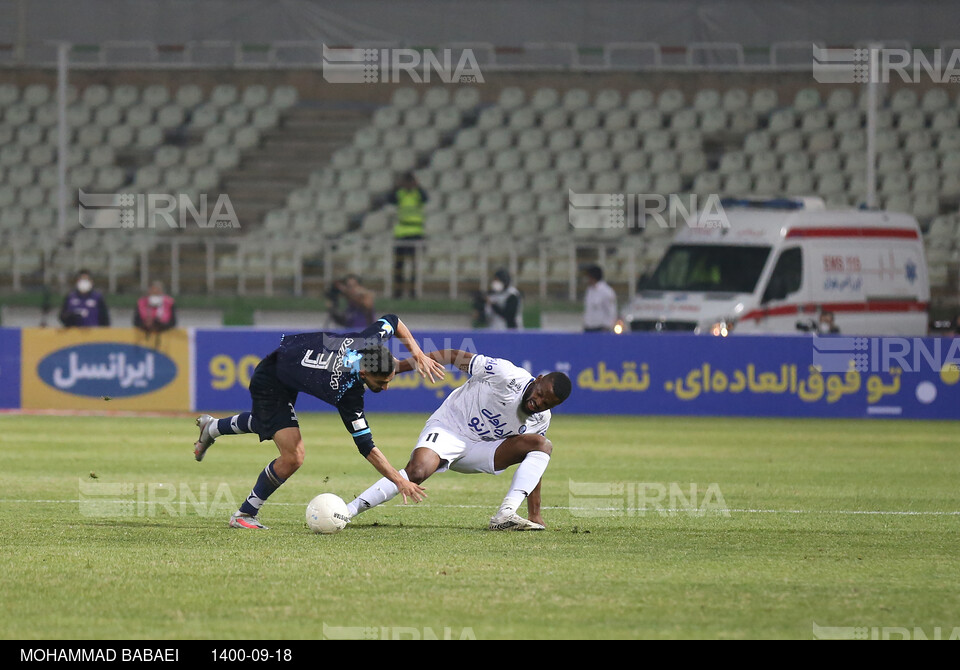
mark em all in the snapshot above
pixel 416 473
pixel 423 463
pixel 540 443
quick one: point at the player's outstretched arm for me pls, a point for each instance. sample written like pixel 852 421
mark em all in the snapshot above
pixel 426 366
pixel 406 487
pixel 461 359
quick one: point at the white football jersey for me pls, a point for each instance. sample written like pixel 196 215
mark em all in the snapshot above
pixel 487 406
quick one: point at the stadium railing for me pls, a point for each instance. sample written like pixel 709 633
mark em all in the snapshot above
pixel 613 56
pixel 546 268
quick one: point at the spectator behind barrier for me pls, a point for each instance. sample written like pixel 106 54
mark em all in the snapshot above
pixel 350 303
pixel 156 311
pixel 84 307
pixel 409 199
pixel 599 302
pixel 504 303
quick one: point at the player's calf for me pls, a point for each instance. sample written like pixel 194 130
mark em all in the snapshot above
pixel 422 464
pixel 532 453
pixel 292 452
pixel 268 482
pixel 287 464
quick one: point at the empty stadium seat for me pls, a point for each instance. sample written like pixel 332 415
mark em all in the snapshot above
pixel 735 99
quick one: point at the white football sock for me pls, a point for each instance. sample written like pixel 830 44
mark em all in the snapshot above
pixel 377 494
pixel 525 479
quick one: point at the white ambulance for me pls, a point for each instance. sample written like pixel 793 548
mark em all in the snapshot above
pixel 789 265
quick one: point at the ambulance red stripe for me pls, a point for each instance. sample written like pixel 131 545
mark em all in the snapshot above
pixel 882 306
pixel 875 233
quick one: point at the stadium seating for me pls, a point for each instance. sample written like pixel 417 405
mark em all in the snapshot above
pixel 499 169
pixel 122 139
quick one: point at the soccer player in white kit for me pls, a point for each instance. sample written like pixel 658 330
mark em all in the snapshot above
pixel 498 418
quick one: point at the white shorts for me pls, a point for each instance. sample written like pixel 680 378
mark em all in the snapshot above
pixel 460 454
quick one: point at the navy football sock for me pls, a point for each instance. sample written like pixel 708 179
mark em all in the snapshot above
pixel 236 424
pixel 267 483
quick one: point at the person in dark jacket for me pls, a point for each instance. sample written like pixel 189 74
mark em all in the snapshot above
pixel 84 307
pixel 504 303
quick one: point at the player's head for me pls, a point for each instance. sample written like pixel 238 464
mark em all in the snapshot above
pixel 378 367
pixel 546 392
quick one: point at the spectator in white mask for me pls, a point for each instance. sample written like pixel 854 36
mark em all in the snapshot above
pixel 156 311
pixel 504 303
pixel 84 306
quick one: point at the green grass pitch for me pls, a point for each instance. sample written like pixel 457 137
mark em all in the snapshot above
pixel 833 523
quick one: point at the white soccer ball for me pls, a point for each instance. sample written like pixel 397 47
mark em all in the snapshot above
pixel 327 514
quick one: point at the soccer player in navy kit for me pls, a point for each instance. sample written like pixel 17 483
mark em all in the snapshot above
pixel 334 367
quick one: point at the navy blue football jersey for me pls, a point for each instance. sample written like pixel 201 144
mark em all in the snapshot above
pixel 327 366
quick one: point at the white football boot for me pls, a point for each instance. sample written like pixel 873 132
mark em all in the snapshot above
pixel 240 520
pixel 204 421
pixel 507 519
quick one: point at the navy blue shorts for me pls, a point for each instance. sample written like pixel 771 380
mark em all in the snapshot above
pixel 273 402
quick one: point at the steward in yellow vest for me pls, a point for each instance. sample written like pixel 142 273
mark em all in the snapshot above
pixel 409 199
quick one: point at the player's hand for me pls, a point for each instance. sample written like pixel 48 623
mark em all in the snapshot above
pixel 536 518
pixel 414 491
pixel 428 368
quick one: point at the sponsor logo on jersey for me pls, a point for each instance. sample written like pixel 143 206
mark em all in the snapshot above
pixel 338 363
pixel 319 362
pixel 491 426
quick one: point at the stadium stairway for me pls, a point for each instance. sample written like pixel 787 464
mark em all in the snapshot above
pixel 305 141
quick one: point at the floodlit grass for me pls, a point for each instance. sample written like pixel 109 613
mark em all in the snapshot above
pixel 791 552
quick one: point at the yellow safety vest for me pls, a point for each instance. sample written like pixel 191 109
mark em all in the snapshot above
pixel 409 213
